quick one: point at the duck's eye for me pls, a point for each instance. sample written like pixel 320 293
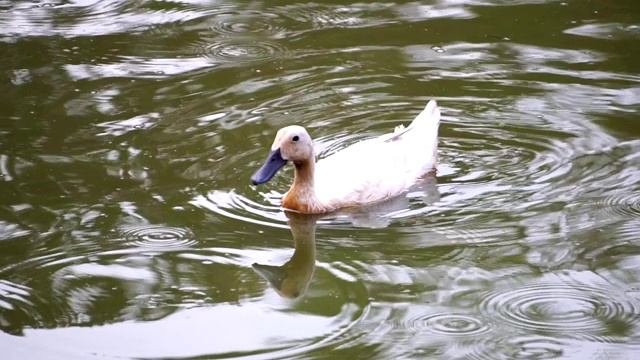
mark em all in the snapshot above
pixel 295 138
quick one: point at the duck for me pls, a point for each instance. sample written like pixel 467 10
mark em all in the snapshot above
pixel 367 172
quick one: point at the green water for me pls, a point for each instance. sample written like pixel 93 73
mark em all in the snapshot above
pixel 129 229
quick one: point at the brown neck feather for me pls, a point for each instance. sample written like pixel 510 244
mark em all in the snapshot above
pixel 304 173
pixel 301 196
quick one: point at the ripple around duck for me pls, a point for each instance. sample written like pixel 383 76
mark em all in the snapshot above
pixel 232 205
pixel 157 236
pixel 492 167
pixel 263 205
pixel 578 309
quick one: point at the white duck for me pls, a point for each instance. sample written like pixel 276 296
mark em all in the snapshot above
pixel 367 172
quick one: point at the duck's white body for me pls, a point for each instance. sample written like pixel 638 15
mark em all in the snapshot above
pixel 369 171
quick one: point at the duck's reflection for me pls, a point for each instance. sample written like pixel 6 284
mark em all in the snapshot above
pixel 292 278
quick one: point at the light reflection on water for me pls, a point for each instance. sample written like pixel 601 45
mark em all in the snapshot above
pixel 128 227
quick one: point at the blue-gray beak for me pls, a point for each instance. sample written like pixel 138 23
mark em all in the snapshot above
pixel 270 167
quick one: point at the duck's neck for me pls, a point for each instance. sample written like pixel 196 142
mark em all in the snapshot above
pixel 302 196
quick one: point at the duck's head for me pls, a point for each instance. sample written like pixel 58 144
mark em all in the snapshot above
pixel 292 143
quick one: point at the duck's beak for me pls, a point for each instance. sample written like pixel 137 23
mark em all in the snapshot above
pixel 270 167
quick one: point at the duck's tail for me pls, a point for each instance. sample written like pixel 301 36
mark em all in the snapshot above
pixel 429 117
pixel 426 123
pixel 424 136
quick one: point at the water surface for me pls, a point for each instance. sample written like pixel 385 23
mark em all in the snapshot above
pixel 129 228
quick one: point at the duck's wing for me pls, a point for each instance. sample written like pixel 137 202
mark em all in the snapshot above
pixel 379 168
pixel 368 172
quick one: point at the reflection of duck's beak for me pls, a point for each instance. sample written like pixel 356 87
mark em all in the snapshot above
pixel 291 279
pixel 270 167
pixel 275 275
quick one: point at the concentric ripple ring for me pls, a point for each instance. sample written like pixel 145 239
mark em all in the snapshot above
pixel 559 308
pixel 157 236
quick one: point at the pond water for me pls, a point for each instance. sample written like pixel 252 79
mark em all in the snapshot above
pixel 129 228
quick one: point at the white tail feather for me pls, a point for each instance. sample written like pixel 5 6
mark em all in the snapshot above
pixel 427 121
pixel 429 116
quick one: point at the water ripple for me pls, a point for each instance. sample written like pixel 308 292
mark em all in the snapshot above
pixel 80 284
pixel 321 16
pixel 517 347
pixel 606 31
pixel 626 205
pixel 230 204
pixel 559 308
pixel 11 292
pixel 89 18
pixel 136 67
pixel 23 306
pixel 613 170
pixel 157 236
pixel 449 324
pixel 240 51
pixel 246 23
pixel 488 161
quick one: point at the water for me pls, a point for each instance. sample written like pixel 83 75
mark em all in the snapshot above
pixel 129 229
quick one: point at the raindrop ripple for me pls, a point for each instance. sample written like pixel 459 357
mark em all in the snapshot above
pixel 517 347
pixel 245 23
pixel 240 50
pixel 627 205
pixel 570 308
pixel 157 236
pixel 449 324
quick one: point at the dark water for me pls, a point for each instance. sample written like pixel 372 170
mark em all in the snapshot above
pixel 129 131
